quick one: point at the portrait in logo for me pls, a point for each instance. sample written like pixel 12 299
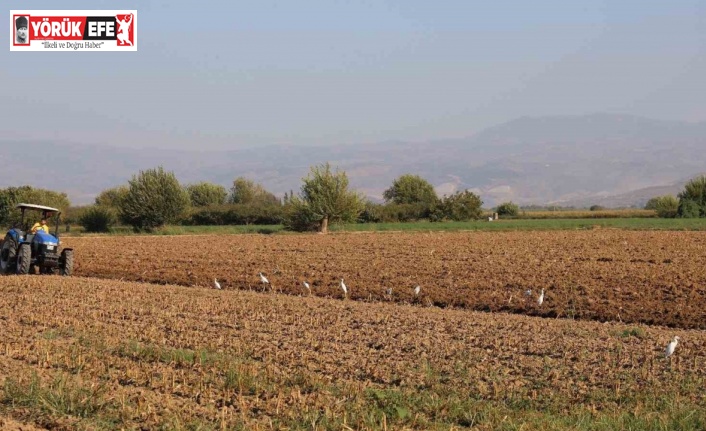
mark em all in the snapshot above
pixel 22 30
pixel 124 29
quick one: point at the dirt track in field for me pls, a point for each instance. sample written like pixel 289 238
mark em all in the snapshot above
pixel 608 275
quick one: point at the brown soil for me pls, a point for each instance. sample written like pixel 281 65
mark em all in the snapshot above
pixel 607 275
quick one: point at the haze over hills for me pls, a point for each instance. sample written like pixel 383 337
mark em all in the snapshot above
pixel 568 160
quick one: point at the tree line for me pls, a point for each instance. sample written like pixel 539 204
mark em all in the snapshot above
pixel 154 197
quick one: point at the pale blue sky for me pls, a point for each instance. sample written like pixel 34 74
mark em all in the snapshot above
pixel 218 75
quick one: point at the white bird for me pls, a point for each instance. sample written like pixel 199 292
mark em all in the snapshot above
pixel 528 292
pixel 264 279
pixel 307 286
pixel 216 284
pixel 344 288
pixel 389 291
pixel 540 300
pixel 417 290
pixel 671 346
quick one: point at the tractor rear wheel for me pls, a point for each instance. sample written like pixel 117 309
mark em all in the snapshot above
pixel 24 259
pixel 67 262
pixel 8 255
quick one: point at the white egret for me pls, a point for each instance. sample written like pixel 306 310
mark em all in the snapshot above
pixel 389 291
pixel 216 284
pixel 264 282
pixel 540 300
pixel 344 288
pixel 307 286
pixel 417 290
pixel 671 346
pixel 528 292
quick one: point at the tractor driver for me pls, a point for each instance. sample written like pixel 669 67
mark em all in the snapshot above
pixel 42 225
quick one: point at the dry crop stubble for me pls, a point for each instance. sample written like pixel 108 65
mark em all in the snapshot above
pixel 608 275
pixel 91 353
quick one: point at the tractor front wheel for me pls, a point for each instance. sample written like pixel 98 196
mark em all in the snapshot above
pixel 24 259
pixel 67 262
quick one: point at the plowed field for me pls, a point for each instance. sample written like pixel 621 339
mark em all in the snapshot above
pixel 607 275
pixel 82 353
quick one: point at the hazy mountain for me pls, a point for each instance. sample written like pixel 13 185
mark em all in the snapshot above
pixel 636 198
pixel 560 159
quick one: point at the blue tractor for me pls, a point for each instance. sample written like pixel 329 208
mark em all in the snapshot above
pixel 23 252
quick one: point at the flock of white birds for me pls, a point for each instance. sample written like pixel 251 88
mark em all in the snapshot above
pixel 669 351
pixel 417 289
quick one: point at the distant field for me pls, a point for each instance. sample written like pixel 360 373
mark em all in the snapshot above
pixel 183 230
pixel 533 224
pixel 539 223
pixel 631 213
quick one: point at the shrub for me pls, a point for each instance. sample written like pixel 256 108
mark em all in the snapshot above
pixel 299 217
pixel 596 208
pixel 372 213
pixel 220 215
pixel 507 209
pixel 392 213
pixel 692 200
pixel 204 193
pixel 665 206
pixel 462 206
pixel 689 209
pixel 98 219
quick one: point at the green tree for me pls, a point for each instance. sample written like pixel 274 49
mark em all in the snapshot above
pixel 111 197
pixel 411 189
pixel 154 198
pixel 204 194
pixel 665 206
pixel 688 209
pixel 507 209
pixel 247 192
pixel 11 196
pixel 692 200
pixel 97 218
pixel 6 206
pixel 324 199
pixel 462 206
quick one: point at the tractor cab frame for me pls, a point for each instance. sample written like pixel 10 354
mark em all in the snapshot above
pixel 22 251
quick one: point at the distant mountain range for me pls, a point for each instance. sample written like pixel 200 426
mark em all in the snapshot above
pixel 604 159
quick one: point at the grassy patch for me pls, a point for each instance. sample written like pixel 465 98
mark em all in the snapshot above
pixel 634 332
pixel 517 224
pixel 63 397
pixel 532 225
pixel 56 333
pixel 301 400
pixel 167 355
